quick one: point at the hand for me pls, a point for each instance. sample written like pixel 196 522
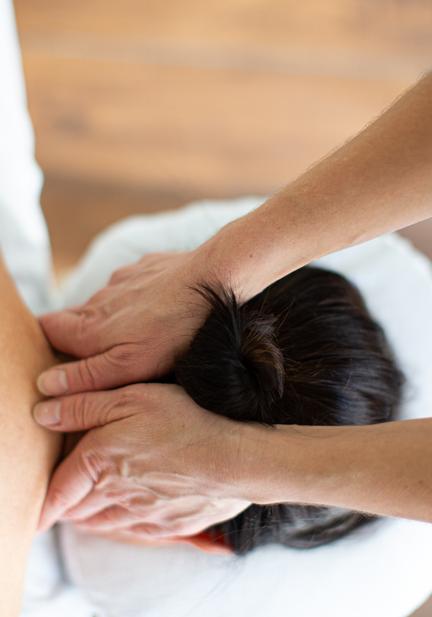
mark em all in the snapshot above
pixel 129 331
pixel 155 465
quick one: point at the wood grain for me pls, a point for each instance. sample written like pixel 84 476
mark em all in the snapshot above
pixel 144 105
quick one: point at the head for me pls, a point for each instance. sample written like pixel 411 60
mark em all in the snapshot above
pixel 304 351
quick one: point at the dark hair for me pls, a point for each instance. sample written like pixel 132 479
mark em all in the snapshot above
pixel 303 351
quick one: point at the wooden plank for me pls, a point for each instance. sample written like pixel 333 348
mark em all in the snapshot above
pixel 77 211
pixel 141 105
pixel 350 34
pixel 191 128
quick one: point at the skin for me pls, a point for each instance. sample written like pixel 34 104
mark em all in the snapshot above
pixel 117 462
pixel 132 330
pixel 156 498
pixel 27 452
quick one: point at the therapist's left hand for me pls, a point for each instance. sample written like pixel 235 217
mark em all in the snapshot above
pixel 154 464
pixel 133 329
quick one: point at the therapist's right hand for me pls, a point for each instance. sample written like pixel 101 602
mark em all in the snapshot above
pixel 132 329
pixel 154 465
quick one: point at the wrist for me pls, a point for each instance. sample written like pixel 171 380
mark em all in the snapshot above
pixel 294 464
pixel 274 465
pixel 259 248
pixel 218 259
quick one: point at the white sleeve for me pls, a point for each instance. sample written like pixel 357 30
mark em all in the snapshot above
pixel 23 234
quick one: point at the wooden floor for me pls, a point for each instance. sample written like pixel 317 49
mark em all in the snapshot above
pixel 141 105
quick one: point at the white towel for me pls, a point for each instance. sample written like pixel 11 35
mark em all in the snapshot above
pixel 384 569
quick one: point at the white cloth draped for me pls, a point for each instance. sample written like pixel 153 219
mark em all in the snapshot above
pixel 383 569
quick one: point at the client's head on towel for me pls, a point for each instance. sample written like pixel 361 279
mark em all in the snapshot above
pixel 303 351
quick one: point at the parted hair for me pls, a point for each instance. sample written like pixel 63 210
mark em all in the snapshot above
pixel 304 351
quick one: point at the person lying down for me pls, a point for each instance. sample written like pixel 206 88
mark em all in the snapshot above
pixel 27 452
pixel 304 351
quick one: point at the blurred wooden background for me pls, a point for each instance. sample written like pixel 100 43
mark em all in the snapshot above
pixel 141 105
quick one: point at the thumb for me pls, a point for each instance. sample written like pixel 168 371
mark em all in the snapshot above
pixel 82 412
pixel 107 370
pixel 73 332
pixel 70 484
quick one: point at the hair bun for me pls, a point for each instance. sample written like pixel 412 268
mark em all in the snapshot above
pixel 234 363
pixel 260 355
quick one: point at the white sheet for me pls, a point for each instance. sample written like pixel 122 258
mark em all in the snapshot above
pixel 380 570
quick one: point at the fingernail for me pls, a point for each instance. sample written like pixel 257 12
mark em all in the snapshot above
pixel 47 413
pixel 53 382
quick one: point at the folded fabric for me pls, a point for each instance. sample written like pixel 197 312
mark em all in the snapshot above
pixel 383 569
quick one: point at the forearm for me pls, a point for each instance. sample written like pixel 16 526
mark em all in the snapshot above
pixel 27 452
pixel 383 469
pixel 378 182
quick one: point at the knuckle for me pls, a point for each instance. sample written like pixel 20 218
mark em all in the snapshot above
pixel 118 275
pixel 124 402
pixel 87 373
pixel 122 355
pixel 136 506
pixel 107 516
pixel 85 331
pixel 82 323
pixel 76 408
pixel 92 459
pixel 130 396
pixel 140 397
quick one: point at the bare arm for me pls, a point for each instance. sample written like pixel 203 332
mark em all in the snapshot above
pixel 132 330
pixel 378 182
pixel 140 434
pixel 382 469
pixel 27 453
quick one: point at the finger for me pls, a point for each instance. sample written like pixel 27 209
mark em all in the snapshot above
pixel 72 331
pixel 153 530
pixel 150 535
pixel 128 535
pixel 144 533
pixel 81 412
pixel 70 483
pixel 122 275
pixel 110 519
pixel 91 505
pixel 107 370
